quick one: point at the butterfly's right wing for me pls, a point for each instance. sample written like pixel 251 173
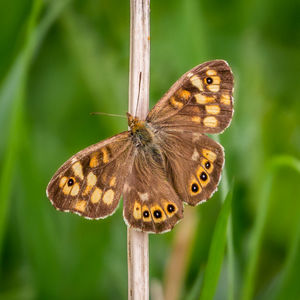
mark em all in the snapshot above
pixel 201 100
pixel 91 182
pixel 195 162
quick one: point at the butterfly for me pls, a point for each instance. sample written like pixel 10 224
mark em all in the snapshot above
pixel 160 163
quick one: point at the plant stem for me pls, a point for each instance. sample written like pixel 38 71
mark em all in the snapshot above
pixel 139 77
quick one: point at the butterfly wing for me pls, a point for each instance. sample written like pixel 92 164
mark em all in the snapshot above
pixel 90 183
pixel 200 100
pixel 195 162
pixel 150 202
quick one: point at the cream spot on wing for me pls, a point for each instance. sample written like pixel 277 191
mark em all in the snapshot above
pixel 63 181
pixel 197 82
pixel 112 181
pixel 213 87
pixel 96 195
pixel 190 74
pixel 80 205
pixel 105 155
pixel 196 137
pixel 195 155
pixel 209 155
pixel 137 210
pixel 210 122
pixel 196 119
pixel 212 109
pixel 144 196
pixel 77 168
pixel 67 189
pixel 174 103
pixel 211 72
pixel 202 99
pixel 108 196
pixel 91 181
pixel 75 189
pixel 225 99
pixel 94 160
pixel 216 79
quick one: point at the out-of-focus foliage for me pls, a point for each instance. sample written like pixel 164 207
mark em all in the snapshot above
pixel 62 59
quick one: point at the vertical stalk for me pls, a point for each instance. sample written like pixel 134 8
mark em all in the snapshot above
pixel 139 77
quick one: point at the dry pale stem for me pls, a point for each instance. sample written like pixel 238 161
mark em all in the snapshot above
pixel 137 242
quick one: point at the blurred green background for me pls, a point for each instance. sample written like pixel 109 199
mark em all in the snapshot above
pixel 61 60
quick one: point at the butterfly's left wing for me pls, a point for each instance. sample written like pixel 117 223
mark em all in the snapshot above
pixel 201 100
pixel 150 202
pixel 91 182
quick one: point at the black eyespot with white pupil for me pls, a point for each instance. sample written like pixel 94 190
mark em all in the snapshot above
pixel 70 181
pixel 195 188
pixel 157 214
pixel 203 176
pixel 207 165
pixel 209 80
pixel 146 214
pixel 171 208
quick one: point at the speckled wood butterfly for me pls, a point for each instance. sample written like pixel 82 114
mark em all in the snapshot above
pixel 160 163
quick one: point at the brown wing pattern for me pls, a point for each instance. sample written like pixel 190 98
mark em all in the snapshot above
pixel 150 202
pixel 90 183
pixel 195 162
pixel 201 100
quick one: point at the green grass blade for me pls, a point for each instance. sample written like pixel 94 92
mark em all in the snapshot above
pixel 216 252
pixel 288 287
pixel 11 100
pixel 262 212
pixel 12 97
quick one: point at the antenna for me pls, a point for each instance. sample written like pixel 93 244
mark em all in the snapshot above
pixel 138 98
pixel 106 114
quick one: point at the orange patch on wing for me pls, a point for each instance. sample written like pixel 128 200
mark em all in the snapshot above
pixel 211 156
pixel 94 160
pixel 80 205
pixel 175 103
pixel 137 210
pixel 209 167
pixel 158 214
pixel 105 158
pixel 184 94
pixel 203 177
pixel 194 187
pixel 196 119
pixel 225 99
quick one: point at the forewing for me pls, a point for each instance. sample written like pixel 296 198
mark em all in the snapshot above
pixel 195 162
pixel 201 100
pixel 90 183
pixel 150 202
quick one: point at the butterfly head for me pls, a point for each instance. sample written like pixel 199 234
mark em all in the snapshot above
pixel 135 123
